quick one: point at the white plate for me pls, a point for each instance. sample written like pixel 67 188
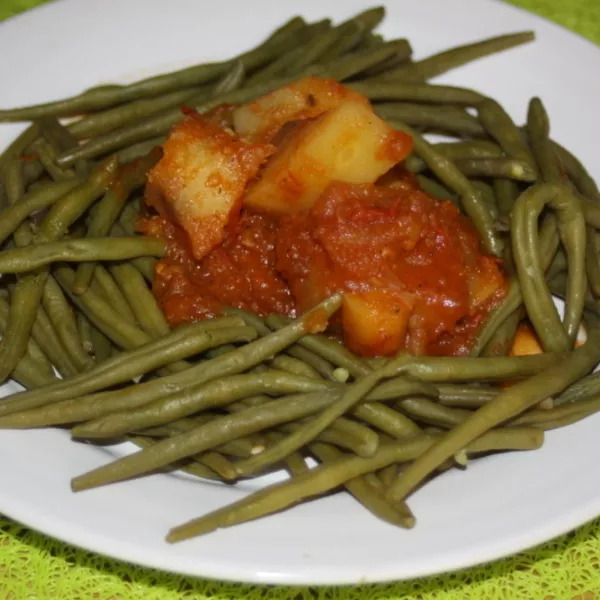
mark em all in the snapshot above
pixel 499 506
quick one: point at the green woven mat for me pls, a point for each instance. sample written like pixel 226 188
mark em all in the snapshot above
pixel 34 567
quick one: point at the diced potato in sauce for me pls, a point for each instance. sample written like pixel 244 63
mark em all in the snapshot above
pixel 307 98
pixel 348 143
pixel 201 178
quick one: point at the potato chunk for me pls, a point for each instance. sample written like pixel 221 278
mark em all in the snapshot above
pixel 348 143
pixel 201 178
pixel 375 322
pixel 307 98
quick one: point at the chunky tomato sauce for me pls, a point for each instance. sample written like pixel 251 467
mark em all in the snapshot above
pixel 411 266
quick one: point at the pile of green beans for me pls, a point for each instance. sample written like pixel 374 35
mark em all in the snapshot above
pixel 240 395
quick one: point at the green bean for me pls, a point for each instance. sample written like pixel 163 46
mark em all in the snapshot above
pixel 442 62
pixel 511 402
pixel 424 410
pixel 218 431
pixel 435 189
pixel 113 118
pixel 468 149
pixel 13 181
pixel 447 119
pixel 329 349
pixel 66 397
pixel 240 360
pixel 536 295
pixel 578 174
pixel 317 481
pixel 351 37
pixel 502 339
pixel 104 97
pixel 450 176
pixel 580 390
pixel 295 366
pixel 354 394
pixel 18 146
pixel 194 468
pixel 538 131
pixel 102 314
pixel 30 372
pixel 388 420
pixel 501 127
pixel 496 167
pixel 587 406
pixel 368 495
pixel 464 396
pixel 358 61
pixel 415 92
pixel 313 40
pixel 33 357
pixel 25 300
pixel 47 154
pixel 102 347
pixel 61 315
pixel 139 150
pixel 140 298
pixel 506 192
pixel 105 287
pixel 592 262
pixel 105 213
pixel 21 260
pixel 487 191
pixel 463 369
pixel 194 399
pixel 12 216
pixel 507 438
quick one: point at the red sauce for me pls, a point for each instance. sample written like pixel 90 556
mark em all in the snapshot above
pixel 411 266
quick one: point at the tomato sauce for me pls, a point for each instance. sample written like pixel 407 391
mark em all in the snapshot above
pixel 411 267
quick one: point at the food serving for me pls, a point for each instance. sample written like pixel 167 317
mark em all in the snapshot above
pixel 294 202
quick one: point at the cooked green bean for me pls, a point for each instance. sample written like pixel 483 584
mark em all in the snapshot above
pixel 204 437
pixel 367 494
pixel 61 315
pixel 455 57
pixel 447 119
pixel 468 149
pixel 195 399
pixel 463 396
pixel 580 390
pixel 343 432
pixel 511 402
pixel 22 260
pixel 501 127
pixel 66 397
pixel 496 167
pixel 536 295
pixel 435 189
pixel 578 174
pixel 592 261
pixel 294 365
pixel 538 131
pixel 506 192
pixel 535 417
pixel 329 349
pixel 140 298
pixel 104 214
pixel 105 287
pixel 12 216
pixel 360 60
pixel 317 481
pixel 239 360
pixel 450 176
pixel 424 410
pixel 415 92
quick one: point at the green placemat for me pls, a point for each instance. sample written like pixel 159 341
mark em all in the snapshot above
pixel 34 567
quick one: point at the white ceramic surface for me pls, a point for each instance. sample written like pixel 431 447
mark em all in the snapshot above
pixel 500 505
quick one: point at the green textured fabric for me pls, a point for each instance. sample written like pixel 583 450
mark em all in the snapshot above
pixel 34 567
